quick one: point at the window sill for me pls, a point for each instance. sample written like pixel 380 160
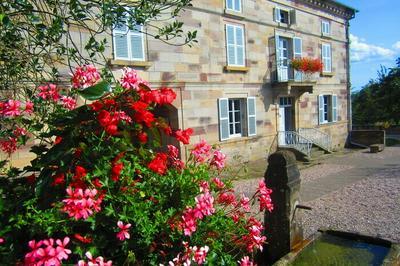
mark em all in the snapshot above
pixel 234 14
pixel 326 36
pixel 327 74
pixel 237 139
pixel 236 68
pixel 119 62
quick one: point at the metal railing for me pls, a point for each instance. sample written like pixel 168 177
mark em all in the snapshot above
pixel 292 139
pixel 318 137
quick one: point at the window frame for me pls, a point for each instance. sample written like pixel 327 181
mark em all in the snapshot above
pixel 233 122
pixel 329 108
pixel 325 24
pixel 129 33
pixel 326 58
pixel 234 7
pixel 235 45
pixel 247 114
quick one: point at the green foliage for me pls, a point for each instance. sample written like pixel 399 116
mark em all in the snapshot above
pixel 86 155
pixel 377 102
pixel 36 39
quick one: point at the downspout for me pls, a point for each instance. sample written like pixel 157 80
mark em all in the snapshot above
pixel 349 109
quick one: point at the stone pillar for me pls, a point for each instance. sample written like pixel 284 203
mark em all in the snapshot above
pixel 282 226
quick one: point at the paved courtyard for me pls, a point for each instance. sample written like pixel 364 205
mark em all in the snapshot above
pixel 357 191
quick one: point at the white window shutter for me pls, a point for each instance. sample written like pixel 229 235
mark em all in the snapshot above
pixel 251 116
pixel 292 17
pixel 238 6
pixel 297 47
pixel 223 118
pixel 230 45
pixel 239 46
pixel 229 4
pixel 121 46
pixel 334 108
pixel 297 53
pixel 277 14
pixel 321 109
pixel 137 50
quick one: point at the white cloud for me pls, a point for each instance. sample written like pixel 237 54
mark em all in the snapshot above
pixel 396 45
pixel 362 51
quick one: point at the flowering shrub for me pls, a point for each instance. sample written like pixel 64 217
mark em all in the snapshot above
pixel 103 183
pixel 307 65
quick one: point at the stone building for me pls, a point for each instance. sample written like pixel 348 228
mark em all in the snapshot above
pixel 236 87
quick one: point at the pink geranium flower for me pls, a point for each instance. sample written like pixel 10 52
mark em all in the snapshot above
pixel 45 252
pixel 99 261
pixel 85 76
pixel 68 102
pixel 245 261
pixel 218 159
pixel 124 231
pixel 130 78
pixel 11 108
pixel 201 151
pixel 81 204
pixel 264 196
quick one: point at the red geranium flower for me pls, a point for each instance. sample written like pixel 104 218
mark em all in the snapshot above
pixel 159 163
pixel 184 135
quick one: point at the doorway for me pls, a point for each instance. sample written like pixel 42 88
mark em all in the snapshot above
pixel 283 59
pixel 286 121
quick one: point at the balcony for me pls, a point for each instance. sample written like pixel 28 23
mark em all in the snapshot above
pixel 287 80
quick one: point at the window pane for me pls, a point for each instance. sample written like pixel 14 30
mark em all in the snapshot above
pixel 231 129
pixel 230 105
pixel 229 4
pixel 230 117
pixel 239 36
pixel 237 116
pixel 121 45
pixel 137 46
pixel 238 128
pixel 230 34
pixel 240 55
pixel 237 104
pixel 237 5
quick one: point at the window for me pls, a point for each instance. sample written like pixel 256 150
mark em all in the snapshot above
pixel 237 117
pixel 129 44
pixel 327 105
pixel 327 57
pixel 285 16
pixel 234 5
pixel 325 28
pixel 235 48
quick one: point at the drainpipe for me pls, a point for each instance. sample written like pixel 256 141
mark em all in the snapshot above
pixel 349 109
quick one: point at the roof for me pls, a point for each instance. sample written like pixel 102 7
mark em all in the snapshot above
pixel 345 6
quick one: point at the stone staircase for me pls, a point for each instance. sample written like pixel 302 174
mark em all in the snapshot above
pixel 308 144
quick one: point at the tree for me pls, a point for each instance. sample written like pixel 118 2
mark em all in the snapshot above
pixel 36 39
pixel 377 102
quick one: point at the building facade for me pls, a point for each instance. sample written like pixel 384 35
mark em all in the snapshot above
pixel 236 87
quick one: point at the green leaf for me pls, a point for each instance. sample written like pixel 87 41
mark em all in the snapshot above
pixel 96 91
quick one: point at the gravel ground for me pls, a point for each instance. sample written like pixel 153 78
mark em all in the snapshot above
pixel 371 206
pixel 322 170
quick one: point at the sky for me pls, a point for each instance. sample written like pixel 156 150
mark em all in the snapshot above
pixel 375 38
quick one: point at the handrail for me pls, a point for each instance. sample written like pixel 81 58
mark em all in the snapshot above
pixel 292 139
pixel 318 137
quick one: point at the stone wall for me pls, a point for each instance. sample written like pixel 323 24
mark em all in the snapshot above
pixel 199 77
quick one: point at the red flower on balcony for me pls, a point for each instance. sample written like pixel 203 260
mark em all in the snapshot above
pixel 307 65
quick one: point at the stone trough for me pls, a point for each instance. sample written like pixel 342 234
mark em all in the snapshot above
pixel 326 247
